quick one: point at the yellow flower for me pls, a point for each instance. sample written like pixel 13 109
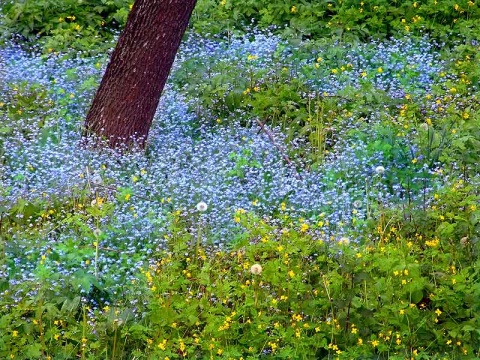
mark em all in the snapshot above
pixel 434 242
pixel 297 317
pixel 304 227
pixel 293 9
pixel 162 345
pixel 438 312
pixel 14 333
pixel 375 343
pixel 380 70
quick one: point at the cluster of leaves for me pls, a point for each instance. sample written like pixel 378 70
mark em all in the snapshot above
pixel 222 92
pixel 281 89
pixel 58 26
pixel 284 289
pixel 346 19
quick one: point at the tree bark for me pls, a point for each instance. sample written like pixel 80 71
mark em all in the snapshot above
pixel 125 103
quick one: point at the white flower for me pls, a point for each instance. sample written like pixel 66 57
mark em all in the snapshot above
pixel 256 269
pixel 201 206
pixel 380 170
pixel 357 204
pixel 97 233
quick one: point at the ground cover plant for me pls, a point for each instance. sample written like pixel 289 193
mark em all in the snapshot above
pixel 300 197
pixel 88 26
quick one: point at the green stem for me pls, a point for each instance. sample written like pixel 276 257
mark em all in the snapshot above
pixel 197 246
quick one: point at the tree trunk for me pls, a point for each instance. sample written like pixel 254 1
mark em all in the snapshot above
pixel 128 96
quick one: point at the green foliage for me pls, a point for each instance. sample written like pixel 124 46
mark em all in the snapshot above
pixel 408 288
pixel 62 25
pixel 88 25
pixel 284 290
pixel 348 19
pixel 278 97
pixel 314 298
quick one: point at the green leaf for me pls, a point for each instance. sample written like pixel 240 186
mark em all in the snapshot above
pixel 70 305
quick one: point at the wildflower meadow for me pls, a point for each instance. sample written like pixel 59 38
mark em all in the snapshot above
pixel 309 188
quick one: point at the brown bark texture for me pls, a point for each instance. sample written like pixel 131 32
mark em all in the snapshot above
pixel 125 103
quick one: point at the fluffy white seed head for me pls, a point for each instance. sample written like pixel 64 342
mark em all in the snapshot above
pixel 256 269
pixel 201 206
